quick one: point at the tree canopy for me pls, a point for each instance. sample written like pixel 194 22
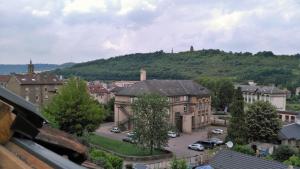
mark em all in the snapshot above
pixel 237 125
pixel 269 68
pixel 73 109
pixel 151 122
pixel 262 122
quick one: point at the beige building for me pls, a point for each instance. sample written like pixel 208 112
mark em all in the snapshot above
pixel 287 116
pixel 99 93
pixel 3 80
pixel 36 88
pixel 272 94
pixel 189 103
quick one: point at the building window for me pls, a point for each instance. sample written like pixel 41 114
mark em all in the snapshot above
pixel 185 98
pixel 46 97
pixel 292 119
pixel 185 108
pixel 177 98
pixel 280 116
pixel 287 118
pixel 46 89
pixel 27 89
pixel 36 98
pixel 27 98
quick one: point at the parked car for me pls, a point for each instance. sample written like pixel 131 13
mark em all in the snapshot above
pixel 217 141
pixel 206 144
pixel 217 131
pixel 131 134
pixel 115 130
pixel 173 134
pixel 129 140
pixel 196 146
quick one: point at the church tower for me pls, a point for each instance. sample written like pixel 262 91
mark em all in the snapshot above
pixel 30 68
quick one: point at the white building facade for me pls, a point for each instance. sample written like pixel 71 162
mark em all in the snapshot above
pixel 272 94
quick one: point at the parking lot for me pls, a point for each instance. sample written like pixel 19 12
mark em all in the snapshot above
pixel 177 145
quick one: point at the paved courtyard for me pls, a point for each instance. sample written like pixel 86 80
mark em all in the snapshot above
pixel 177 145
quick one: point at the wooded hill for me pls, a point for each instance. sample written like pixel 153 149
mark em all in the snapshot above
pixel 263 67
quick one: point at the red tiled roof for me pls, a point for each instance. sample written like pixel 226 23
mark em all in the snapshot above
pixel 4 78
pixel 97 89
pixel 38 79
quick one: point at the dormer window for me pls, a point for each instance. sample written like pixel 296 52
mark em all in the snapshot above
pixel 23 79
pixel 54 80
pixel 33 80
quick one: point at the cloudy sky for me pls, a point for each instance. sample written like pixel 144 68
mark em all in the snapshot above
pixel 58 31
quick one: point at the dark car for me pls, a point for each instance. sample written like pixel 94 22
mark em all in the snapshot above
pixel 129 140
pixel 207 144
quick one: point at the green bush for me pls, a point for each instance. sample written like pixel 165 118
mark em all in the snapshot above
pixel 106 160
pixel 283 152
pixel 244 149
pixel 178 164
pixel 293 160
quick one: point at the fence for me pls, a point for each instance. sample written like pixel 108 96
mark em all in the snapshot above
pixel 191 161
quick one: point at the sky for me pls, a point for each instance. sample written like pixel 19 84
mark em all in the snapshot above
pixel 59 31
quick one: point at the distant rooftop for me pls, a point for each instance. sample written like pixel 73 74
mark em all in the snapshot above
pixel 165 88
pixel 40 78
pixel 290 131
pixel 261 89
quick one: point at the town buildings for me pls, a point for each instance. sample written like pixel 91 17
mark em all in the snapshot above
pixel 287 116
pixel 99 92
pixel 189 102
pixel 36 88
pixel 3 80
pixel 272 94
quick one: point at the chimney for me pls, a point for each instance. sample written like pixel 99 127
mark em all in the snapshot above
pixel 143 74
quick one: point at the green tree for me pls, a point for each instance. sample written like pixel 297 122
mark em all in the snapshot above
pixel 151 121
pixel 293 160
pixel 245 149
pixel 178 164
pixel 73 109
pixel 262 122
pixel 283 152
pixel 225 94
pixel 237 127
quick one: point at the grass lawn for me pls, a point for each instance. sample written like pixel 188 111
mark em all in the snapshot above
pixel 120 147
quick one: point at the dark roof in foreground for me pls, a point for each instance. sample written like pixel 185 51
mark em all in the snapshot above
pixel 290 131
pixel 261 89
pixel 165 88
pixel 228 159
pixel 18 102
pixel 46 155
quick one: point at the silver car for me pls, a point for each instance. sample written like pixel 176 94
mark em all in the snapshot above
pixel 197 147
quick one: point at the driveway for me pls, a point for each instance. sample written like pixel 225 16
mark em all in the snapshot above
pixel 176 145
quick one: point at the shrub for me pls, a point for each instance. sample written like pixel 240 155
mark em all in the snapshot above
pixel 106 160
pixel 244 149
pixel 178 164
pixel 293 160
pixel 283 152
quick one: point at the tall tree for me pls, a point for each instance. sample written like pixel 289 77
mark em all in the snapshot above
pixel 73 109
pixel 225 94
pixel 237 125
pixel 262 122
pixel 151 121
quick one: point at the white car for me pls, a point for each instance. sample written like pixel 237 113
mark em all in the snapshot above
pixel 131 134
pixel 216 141
pixel 197 147
pixel 217 131
pixel 115 130
pixel 172 134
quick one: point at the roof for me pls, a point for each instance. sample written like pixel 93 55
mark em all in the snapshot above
pixel 51 158
pixel 228 159
pixel 18 102
pixel 288 112
pixel 290 131
pixel 4 78
pixel 60 138
pixel 97 89
pixel 261 89
pixel 40 78
pixel 165 88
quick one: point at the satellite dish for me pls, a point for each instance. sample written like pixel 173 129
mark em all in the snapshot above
pixel 229 144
